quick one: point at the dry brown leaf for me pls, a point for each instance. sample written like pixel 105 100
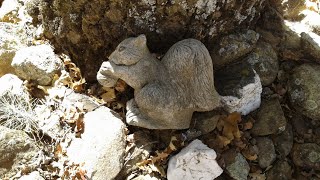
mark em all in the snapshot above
pixel 36 90
pixel 109 95
pixel 80 123
pixel 73 78
pixel 162 156
pixel 58 151
pixel 223 141
pixel 248 125
pixel 228 128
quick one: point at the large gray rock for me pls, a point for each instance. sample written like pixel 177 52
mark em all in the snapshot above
pixel 306 155
pixel 270 119
pixel 102 145
pixel 239 86
pixel 265 62
pixel 303 89
pixel 233 47
pixel 196 161
pixel 96 27
pixel 38 63
pixel 236 165
pixel 267 153
pixel 166 92
pixel 15 147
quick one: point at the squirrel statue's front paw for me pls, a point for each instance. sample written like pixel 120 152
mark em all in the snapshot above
pixel 105 75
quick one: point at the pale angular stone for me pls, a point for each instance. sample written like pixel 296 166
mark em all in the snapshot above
pixel 38 63
pixel 101 146
pixel 196 161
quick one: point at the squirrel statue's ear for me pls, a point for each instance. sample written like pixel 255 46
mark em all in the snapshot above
pixel 141 39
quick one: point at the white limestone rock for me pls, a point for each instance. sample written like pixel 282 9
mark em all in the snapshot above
pixel 102 145
pixel 11 83
pixel 38 63
pixel 196 161
pixel 250 99
pixel 240 87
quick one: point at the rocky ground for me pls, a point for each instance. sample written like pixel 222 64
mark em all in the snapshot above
pixel 57 125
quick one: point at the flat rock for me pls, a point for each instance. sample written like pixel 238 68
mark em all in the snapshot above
pixel 306 155
pixel 38 63
pixel 284 141
pixel 196 161
pixel 240 87
pixel 71 98
pixel 280 171
pixel 15 147
pixel 264 60
pixel 270 119
pixel 101 146
pixel 234 46
pixel 236 165
pixel 267 153
pixel 303 89
pixel 310 43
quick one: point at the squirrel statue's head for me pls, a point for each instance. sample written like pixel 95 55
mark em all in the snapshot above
pixel 130 51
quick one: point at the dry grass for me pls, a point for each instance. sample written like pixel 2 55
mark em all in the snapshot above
pixel 17 112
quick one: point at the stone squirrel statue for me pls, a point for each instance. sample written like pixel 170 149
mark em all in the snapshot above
pixel 166 92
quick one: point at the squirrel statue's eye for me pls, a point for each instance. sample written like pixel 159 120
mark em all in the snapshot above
pixel 121 48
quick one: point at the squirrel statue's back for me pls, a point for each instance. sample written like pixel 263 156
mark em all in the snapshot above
pixel 167 92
